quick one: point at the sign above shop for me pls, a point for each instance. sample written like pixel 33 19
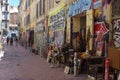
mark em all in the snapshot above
pixel 57 25
pixel 97 4
pixel 79 7
pixel 57 18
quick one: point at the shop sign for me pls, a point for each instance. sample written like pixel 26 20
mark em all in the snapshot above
pixel 79 7
pixel 57 18
pixel 97 4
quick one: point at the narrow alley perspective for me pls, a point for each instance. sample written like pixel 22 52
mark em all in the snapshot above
pixel 59 40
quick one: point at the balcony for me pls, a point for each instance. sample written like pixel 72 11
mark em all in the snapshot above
pixel 6 2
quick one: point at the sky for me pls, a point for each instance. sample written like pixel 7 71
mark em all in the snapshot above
pixel 14 2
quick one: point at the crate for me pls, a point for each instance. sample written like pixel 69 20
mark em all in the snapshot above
pixel 114 56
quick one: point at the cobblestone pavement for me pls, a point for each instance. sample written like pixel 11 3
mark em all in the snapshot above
pixel 19 64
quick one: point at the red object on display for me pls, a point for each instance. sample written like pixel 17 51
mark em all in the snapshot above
pixel 100 30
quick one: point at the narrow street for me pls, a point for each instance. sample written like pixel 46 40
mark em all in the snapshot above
pixel 19 64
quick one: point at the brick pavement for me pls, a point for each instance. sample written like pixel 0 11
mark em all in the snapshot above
pixel 19 64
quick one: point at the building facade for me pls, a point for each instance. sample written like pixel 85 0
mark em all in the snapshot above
pixel 13 22
pixel 41 30
pixel 61 21
pixel 5 16
pixel 1 17
pixel 24 9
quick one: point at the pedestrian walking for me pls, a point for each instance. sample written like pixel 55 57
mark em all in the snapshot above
pixel 11 41
pixel 8 39
pixel 16 41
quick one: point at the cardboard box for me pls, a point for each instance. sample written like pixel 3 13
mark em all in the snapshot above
pixel 114 56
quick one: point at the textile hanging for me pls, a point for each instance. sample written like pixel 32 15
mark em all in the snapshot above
pixel 100 30
pixel 75 34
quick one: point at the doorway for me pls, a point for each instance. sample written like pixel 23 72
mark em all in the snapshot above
pixel 82 34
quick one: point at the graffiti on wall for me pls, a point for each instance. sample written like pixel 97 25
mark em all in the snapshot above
pixel 116 33
pixel 57 26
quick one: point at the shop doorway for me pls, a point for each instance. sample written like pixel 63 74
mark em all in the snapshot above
pixel 82 34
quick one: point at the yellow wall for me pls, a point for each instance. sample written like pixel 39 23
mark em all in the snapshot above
pixel 68 30
pixel 23 13
pixel 33 14
pixel 89 25
pixel 76 28
pixel 108 13
pixel 55 5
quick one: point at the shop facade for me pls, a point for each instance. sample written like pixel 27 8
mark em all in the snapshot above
pixel 80 19
pixel 89 29
pixel 40 37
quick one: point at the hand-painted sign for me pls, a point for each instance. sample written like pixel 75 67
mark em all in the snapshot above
pixel 97 4
pixel 57 18
pixel 57 25
pixel 79 7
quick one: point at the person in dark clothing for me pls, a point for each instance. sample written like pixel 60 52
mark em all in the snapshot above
pixel 16 41
pixel 11 41
pixel 8 39
pixel 65 52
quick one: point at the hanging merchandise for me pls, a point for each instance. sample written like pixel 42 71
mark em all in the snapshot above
pixel 100 30
pixel 75 34
pixel 99 48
